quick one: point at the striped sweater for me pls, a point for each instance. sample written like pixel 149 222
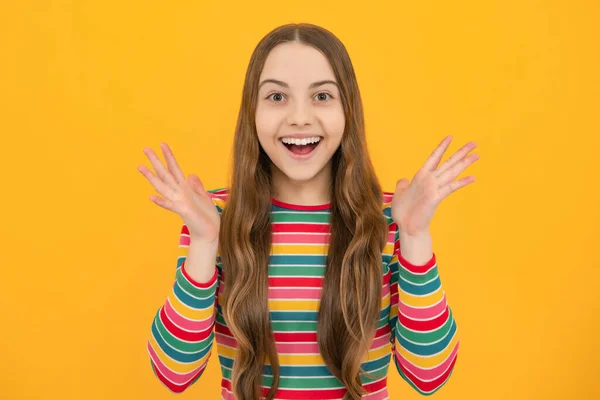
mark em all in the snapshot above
pixel 416 327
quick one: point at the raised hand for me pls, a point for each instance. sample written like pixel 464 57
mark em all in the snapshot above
pixel 414 202
pixel 187 198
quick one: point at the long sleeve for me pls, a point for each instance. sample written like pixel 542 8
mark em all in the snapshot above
pixel 182 332
pixel 425 343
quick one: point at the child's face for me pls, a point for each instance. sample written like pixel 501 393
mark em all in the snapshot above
pixel 296 106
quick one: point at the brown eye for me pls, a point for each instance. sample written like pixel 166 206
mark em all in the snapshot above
pixel 323 96
pixel 277 97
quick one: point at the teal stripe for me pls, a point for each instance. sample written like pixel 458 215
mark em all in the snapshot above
pixel 301 217
pixel 428 349
pixel 198 304
pixel 177 355
pixel 414 278
pixel 302 259
pixel 420 290
pixel 287 270
pixel 424 337
pixel 187 347
pixel 194 290
pixel 294 326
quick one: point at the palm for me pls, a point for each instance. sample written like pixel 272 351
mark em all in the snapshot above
pixel 414 202
pixel 186 197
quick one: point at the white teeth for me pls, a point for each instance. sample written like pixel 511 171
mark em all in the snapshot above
pixel 301 142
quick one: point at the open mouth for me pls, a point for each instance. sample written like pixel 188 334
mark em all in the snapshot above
pixel 303 147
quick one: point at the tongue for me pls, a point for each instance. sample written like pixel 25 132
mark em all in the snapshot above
pixel 299 149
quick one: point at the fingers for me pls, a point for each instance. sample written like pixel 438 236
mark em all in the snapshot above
pixel 161 187
pixel 452 172
pixel 172 165
pixel 436 156
pixel 455 185
pixel 160 170
pixel 456 157
pixel 164 203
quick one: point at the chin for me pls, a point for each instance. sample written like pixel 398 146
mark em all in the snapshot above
pixel 300 175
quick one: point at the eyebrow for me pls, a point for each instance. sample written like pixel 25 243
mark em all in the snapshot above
pixel 312 85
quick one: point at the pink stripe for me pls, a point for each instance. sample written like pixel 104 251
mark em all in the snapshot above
pixel 391 237
pixel 387 196
pixel 423 313
pixel 226 340
pixel 427 374
pixel 187 324
pixel 178 379
pixel 385 290
pixel 299 348
pixel 226 394
pixel 184 240
pixel 313 347
pixel 280 238
pixel 295 293
pixel 381 341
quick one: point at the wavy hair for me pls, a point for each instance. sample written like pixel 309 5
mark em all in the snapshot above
pixel 350 302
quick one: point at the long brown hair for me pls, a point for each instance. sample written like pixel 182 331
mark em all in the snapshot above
pixel 350 303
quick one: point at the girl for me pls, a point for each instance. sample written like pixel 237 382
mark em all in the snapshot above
pixel 296 268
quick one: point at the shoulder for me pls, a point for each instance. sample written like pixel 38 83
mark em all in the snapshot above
pixel 219 197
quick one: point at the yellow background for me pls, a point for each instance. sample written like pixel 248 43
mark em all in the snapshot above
pixel 87 259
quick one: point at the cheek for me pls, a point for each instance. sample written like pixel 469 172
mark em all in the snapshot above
pixel 266 121
pixel 335 122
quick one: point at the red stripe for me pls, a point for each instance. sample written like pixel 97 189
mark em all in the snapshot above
pixel 314 394
pixel 304 228
pixel 416 269
pixel 295 282
pixel 430 385
pixel 179 333
pixel 291 337
pixel 202 285
pixel 175 388
pixel 185 230
pixel 387 277
pixel 300 207
pixel 422 326
pixel 222 329
pixel 324 394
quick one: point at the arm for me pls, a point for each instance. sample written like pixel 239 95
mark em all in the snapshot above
pixel 425 343
pixel 182 333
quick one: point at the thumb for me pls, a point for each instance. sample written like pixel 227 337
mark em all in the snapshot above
pixel 402 185
pixel 196 183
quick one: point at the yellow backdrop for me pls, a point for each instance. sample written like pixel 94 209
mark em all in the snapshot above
pixel 87 259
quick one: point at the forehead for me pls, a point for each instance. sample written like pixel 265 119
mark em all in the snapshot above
pixel 296 64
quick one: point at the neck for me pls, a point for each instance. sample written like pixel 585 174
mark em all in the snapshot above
pixel 315 191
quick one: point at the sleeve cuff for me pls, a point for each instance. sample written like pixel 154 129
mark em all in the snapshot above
pixel 416 268
pixel 202 285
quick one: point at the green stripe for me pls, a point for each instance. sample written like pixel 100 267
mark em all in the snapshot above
pixel 296 217
pixel 179 345
pixel 292 326
pixel 425 337
pixel 193 290
pixel 413 278
pixel 302 383
pixel 285 270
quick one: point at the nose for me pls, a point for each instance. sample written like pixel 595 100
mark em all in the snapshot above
pixel 300 114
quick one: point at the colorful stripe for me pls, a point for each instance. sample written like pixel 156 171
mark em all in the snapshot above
pixel 416 327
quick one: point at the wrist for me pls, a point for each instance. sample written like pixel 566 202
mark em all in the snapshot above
pixel 417 249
